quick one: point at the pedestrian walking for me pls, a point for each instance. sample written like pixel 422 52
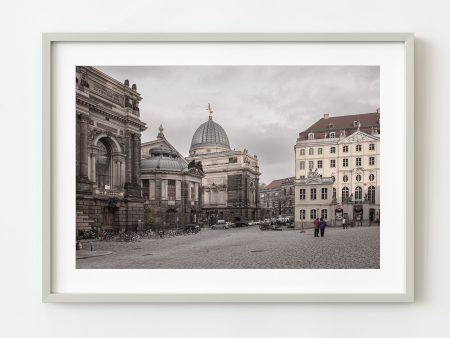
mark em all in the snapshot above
pixel 322 225
pixel 344 223
pixel 316 227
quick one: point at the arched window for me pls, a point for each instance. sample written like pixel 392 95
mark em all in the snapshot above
pixel 103 164
pixel 358 194
pixel 371 194
pixel 345 193
pixel 334 193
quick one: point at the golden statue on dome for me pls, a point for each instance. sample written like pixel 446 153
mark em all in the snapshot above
pixel 210 110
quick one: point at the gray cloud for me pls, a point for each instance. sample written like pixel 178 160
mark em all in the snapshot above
pixel 262 108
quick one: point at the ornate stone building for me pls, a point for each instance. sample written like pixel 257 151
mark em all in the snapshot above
pixel 314 199
pixel 230 186
pixel 346 149
pixel 171 186
pixel 277 198
pixel 108 141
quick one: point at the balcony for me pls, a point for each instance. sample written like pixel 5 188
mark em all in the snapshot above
pixel 109 192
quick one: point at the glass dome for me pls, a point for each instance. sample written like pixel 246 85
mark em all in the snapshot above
pixel 210 135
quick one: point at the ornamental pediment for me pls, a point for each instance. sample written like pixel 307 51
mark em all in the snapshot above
pixel 359 136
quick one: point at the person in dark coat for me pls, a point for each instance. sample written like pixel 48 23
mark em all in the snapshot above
pixel 322 225
pixel 316 227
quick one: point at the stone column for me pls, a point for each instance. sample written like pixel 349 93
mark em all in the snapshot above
pixel 132 184
pixel 122 173
pixel 83 146
pixel 114 174
pixel 77 132
pixel 84 185
pixel 128 159
pixel 94 173
pixel 136 158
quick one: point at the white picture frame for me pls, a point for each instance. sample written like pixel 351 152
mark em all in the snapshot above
pixel 49 294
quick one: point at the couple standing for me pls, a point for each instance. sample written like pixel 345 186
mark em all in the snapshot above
pixel 319 224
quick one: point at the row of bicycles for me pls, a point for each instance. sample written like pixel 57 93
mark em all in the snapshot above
pixel 134 236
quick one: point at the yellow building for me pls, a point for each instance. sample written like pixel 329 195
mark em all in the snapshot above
pixel 344 152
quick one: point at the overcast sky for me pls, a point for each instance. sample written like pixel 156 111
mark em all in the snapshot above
pixel 261 108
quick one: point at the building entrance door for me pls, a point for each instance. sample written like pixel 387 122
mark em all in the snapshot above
pixel 372 215
pixel 108 218
pixel 171 217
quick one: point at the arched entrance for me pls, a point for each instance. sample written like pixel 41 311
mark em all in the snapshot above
pixel 358 214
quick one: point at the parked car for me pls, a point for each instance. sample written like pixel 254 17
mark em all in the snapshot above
pixel 221 224
pixel 241 222
pixel 194 228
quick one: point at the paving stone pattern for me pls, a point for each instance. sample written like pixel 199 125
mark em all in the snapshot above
pixel 246 248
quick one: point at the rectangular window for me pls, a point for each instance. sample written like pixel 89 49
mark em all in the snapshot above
pixel 311 164
pixel 302 152
pixel 319 151
pixel 371 160
pixel 145 189
pixel 358 161
pixel 345 149
pixel 302 214
pixel 311 151
pixel 333 150
pixel 171 190
pixel 332 134
pixel 345 162
pixel 192 196
pixel 332 163
pixel 372 146
pixel 313 214
pixel 319 164
pixel 302 177
pixel 232 160
pixel 324 193
pixel 152 189
pixel 313 193
pixel 196 191
pixel 324 213
pixel 302 165
pixel 302 194
pixel 358 147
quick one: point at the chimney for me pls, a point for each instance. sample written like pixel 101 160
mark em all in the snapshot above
pixel 326 116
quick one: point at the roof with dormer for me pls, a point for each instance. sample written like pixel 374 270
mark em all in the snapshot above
pixel 349 123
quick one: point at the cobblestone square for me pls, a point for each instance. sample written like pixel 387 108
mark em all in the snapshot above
pixel 244 248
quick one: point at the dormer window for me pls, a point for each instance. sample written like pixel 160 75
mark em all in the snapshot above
pixel 330 126
pixel 311 136
pixel 355 124
pixel 332 134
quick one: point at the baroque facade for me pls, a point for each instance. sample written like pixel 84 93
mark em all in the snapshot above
pixel 230 185
pixel 277 198
pixel 171 186
pixel 108 141
pixel 346 151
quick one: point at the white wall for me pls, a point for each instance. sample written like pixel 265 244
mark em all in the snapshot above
pixel 23 314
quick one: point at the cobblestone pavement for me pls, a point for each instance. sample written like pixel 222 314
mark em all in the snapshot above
pixel 245 248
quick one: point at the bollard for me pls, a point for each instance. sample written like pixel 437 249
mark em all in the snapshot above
pixel 302 229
